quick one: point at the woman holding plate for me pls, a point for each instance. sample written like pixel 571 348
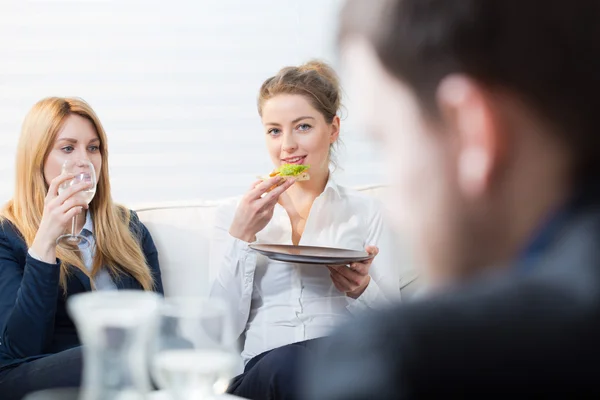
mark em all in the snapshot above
pixel 279 308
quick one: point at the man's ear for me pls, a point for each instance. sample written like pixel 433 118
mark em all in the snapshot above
pixel 335 130
pixel 467 109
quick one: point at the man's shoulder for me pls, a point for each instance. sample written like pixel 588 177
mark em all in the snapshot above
pixel 531 333
pixel 516 330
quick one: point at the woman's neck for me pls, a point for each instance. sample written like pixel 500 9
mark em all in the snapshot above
pixel 300 196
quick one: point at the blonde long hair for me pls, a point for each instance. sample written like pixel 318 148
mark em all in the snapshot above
pixel 117 248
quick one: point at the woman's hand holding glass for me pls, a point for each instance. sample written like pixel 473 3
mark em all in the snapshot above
pixel 83 172
pixel 59 210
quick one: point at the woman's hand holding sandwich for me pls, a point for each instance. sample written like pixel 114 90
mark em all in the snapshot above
pixel 256 207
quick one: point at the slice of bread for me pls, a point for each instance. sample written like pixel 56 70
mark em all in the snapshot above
pixel 302 177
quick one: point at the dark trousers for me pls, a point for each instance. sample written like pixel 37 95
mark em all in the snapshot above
pixel 273 375
pixel 58 370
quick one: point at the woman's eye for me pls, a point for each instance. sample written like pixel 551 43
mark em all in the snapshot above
pixel 303 127
pixel 67 149
pixel 273 131
pixel 94 148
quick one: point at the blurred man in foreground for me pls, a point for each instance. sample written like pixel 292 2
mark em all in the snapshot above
pixel 487 115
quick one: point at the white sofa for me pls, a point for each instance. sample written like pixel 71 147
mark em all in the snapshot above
pixel 182 231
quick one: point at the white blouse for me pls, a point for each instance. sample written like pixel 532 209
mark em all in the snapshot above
pixel 277 303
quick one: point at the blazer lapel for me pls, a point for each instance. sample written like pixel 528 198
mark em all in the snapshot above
pixel 83 278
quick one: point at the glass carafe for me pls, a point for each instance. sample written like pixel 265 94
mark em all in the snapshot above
pixel 115 328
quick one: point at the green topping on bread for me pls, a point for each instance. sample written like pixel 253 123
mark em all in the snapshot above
pixel 292 169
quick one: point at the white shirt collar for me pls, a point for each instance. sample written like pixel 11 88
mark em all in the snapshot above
pixel 332 186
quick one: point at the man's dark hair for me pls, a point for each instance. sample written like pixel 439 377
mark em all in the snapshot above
pixel 546 52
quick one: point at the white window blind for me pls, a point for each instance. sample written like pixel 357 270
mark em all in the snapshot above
pixel 174 83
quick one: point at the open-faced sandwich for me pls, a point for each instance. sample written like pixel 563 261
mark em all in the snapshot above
pixel 296 171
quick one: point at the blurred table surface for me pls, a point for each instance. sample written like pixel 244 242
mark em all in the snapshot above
pixel 72 394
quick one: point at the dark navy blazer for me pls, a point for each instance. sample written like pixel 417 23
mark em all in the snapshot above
pixel 33 318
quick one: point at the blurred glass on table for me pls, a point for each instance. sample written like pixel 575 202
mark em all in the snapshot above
pixel 195 353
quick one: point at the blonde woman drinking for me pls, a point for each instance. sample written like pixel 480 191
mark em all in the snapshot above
pixel 39 346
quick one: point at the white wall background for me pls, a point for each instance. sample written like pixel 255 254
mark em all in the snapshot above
pixel 174 83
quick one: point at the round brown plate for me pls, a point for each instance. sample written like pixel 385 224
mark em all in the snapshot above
pixel 310 254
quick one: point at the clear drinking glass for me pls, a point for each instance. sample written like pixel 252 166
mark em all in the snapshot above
pixel 195 353
pixel 116 330
pixel 84 172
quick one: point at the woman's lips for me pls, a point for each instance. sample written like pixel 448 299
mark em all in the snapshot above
pixel 294 160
